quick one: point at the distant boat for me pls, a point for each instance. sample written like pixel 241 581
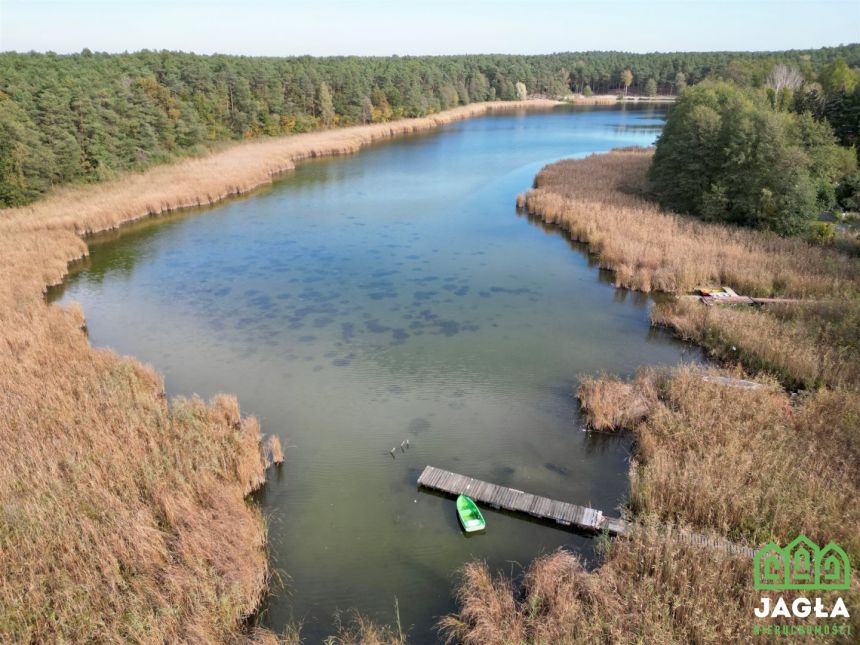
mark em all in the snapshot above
pixel 470 516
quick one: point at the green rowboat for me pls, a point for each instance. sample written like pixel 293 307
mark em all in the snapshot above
pixel 470 516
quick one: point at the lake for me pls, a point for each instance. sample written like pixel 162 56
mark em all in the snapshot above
pixel 394 294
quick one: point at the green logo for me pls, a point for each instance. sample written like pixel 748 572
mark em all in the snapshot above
pixel 801 565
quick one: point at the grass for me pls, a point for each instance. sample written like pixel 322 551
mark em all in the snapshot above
pixel 749 465
pixel 601 201
pixel 124 518
pixel 360 630
pixel 804 347
pixel 611 404
pixel 124 515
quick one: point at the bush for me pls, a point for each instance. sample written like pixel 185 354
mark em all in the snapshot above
pixel 848 192
pixel 822 233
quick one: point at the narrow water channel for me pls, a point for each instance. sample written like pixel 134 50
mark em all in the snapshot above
pixel 391 295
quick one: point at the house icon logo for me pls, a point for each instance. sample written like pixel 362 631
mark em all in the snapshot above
pixel 801 565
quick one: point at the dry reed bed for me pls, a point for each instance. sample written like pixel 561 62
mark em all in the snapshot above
pixel 124 516
pixel 598 200
pixel 613 404
pixel 746 464
pixel 648 590
pixel 800 350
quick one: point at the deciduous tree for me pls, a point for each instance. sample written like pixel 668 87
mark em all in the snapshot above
pixel 522 93
pixel 626 79
pixel 650 87
pixel 726 155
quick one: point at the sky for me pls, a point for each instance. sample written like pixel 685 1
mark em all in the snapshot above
pixel 411 27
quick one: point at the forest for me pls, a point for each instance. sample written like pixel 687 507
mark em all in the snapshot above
pixel 86 117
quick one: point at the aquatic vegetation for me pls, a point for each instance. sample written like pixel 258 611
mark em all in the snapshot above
pixel 635 596
pixel 612 404
pixel 130 509
pixel 802 346
pixel 601 201
pixel 751 465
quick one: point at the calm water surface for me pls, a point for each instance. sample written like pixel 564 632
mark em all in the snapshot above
pixel 392 295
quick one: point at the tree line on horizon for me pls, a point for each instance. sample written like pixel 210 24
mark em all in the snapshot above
pixel 86 117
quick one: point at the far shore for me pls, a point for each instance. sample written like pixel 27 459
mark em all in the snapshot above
pixel 205 180
pixel 611 99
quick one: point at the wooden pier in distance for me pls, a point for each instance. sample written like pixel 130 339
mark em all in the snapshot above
pixel 565 513
pixel 727 296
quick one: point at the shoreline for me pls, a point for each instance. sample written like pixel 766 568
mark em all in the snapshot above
pixel 552 201
pixel 599 202
pixel 616 99
pixel 263 159
pixel 203 181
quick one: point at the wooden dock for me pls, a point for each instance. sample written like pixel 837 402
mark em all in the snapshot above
pixel 747 300
pixel 515 500
pixel 727 296
pixel 565 513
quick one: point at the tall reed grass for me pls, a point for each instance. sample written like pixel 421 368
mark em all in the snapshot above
pixel 600 201
pixel 611 404
pixel 750 465
pixel 648 590
pixel 805 347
